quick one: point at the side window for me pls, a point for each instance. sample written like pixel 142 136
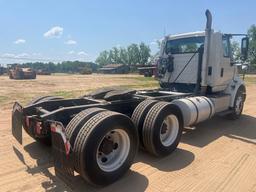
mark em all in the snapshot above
pixel 226 46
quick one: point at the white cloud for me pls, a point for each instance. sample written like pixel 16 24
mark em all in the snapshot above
pixel 11 55
pixel 36 54
pixel 153 43
pixel 16 56
pixel 22 55
pixel 82 53
pixel 71 52
pixel 19 41
pixel 54 32
pixel 71 42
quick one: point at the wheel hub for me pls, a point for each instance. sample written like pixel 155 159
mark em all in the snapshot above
pixel 106 146
pixel 113 150
pixel 239 104
pixel 169 130
pixel 164 128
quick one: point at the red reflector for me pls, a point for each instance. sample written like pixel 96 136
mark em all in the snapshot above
pixel 27 121
pixel 38 128
pixel 53 128
pixel 67 147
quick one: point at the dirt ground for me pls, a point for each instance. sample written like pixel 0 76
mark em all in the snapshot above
pixel 68 86
pixel 217 155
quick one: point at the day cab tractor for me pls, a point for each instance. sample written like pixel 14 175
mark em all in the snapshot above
pixel 98 135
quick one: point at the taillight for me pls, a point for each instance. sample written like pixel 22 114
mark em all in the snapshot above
pixel 27 121
pixel 38 127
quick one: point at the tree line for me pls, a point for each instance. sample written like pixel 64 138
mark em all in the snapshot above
pixel 62 67
pixel 134 54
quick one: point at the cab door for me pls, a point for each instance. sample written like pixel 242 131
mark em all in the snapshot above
pixel 226 68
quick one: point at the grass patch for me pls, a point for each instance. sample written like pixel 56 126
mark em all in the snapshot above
pixel 141 82
pixel 250 79
pixel 65 94
pixel 62 74
pixel 3 99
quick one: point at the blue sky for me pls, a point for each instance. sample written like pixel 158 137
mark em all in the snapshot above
pixel 69 30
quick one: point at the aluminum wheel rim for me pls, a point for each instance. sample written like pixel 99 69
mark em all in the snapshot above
pixel 116 158
pixel 169 130
pixel 239 105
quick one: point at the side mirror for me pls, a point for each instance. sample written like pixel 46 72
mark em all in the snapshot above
pixel 245 67
pixel 244 48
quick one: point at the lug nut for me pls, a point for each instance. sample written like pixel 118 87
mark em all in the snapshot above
pixel 115 146
pixel 104 159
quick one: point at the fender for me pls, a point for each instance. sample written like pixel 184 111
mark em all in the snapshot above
pixel 232 89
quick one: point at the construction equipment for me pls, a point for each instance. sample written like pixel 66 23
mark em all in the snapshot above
pixel 43 72
pixel 98 135
pixel 148 71
pixel 17 72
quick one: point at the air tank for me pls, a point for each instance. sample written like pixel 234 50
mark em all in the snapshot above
pixel 195 109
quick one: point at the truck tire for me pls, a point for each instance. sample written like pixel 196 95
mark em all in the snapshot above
pixel 119 95
pixel 238 104
pixel 105 148
pixel 162 129
pixel 139 114
pixel 44 98
pixel 100 93
pixel 78 121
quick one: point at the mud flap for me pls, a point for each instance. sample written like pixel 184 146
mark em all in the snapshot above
pixel 62 153
pixel 17 118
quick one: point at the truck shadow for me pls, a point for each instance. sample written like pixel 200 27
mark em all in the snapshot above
pixel 179 159
pixel 243 129
pixel 133 181
pixel 44 165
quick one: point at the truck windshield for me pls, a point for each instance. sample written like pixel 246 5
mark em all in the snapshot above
pixel 184 45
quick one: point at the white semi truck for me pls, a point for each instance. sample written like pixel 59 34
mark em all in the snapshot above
pixel 98 135
pixel 201 62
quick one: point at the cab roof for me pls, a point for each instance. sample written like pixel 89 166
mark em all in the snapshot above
pixel 185 35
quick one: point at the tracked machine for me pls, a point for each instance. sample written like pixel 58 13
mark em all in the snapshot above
pixel 98 135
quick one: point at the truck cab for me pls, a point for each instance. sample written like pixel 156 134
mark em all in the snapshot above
pixel 186 57
pixel 198 62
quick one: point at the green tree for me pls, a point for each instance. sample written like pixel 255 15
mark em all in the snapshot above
pixel 236 51
pixel 111 57
pixel 133 54
pixel 252 44
pixel 124 56
pixel 103 58
pixel 144 53
pixel 116 55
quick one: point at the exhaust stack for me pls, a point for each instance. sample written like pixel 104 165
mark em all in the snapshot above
pixel 208 31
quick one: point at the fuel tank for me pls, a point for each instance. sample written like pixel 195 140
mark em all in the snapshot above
pixel 195 109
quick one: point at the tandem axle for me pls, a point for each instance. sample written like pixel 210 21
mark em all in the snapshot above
pixel 98 135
